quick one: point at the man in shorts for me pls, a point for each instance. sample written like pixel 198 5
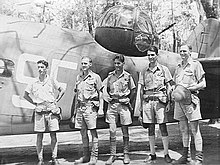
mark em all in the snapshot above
pixel 189 74
pixel 120 87
pixel 88 85
pixel 155 88
pixel 41 93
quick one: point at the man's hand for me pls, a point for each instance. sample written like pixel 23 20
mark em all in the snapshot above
pixel 167 108
pixel 140 119
pixel 125 100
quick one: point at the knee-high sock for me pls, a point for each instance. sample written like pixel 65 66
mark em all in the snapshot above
pixel 152 144
pixel 165 141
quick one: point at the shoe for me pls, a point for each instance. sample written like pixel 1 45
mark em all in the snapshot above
pixel 54 161
pixel 41 162
pixel 198 162
pixel 93 160
pixel 110 160
pixel 181 160
pixel 199 158
pixel 151 159
pixel 126 158
pixel 167 158
pixel 83 159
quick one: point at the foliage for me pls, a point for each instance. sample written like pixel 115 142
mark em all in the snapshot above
pixel 83 14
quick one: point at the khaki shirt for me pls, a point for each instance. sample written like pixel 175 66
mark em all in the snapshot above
pixel 43 91
pixel 120 86
pixel 156 78
pixel 189 74
pixel 89 86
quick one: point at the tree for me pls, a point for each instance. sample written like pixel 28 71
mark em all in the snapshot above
pixel 211 8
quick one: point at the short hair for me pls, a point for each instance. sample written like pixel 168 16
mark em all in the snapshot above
pixel 90 60
pixel 120 57
pixel 190 48
pixel 44 62
pixel 153 49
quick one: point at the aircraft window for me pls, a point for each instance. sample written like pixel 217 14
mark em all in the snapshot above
pixel 6 67
pixel 144 24
pixel 118 17
pixel 110 18
pixel 125 19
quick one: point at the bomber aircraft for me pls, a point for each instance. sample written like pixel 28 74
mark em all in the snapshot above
pixel 23 43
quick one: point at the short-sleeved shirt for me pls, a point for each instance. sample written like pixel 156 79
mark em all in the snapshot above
pixel 189 74
pixel 120 86
pixel 43 91
pixel 89 86
pixel 155 78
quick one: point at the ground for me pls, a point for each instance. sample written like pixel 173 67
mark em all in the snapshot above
pixel 20 149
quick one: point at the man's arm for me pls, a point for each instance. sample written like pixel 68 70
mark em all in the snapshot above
pixel 200 85
pixel 28 98
pixel 61 93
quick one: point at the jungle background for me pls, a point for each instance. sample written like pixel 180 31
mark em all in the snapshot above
pixel 83 15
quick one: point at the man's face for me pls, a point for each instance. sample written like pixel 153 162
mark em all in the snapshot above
pixel 152 57
pixel 86 64
pixel 118 65
pixel 184 52
pixel 42 69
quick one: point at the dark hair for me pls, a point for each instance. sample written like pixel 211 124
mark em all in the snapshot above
pixel 120 57
pixel 44 62
pixel 190 47
pixel 153 49
pixel 90 60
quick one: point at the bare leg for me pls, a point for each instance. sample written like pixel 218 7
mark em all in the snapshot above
pixel 39 146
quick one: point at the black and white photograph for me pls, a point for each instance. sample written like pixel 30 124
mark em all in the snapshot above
pixel 109 82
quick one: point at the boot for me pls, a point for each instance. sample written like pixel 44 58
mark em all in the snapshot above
pixel 199 158
pixel 94 153
pixel 165 141
pixel 112 158
pixel 86 156
pixel 126 150
pixel 151 159
pixel 189 158
pixel 183 158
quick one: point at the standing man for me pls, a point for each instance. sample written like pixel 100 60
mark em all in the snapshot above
pixel 189 74
pixel 88 91
pixel 41 94
pixel 155 88
pixel 120 87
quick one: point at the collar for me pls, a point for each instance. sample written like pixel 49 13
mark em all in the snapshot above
pixel 45 80
pixel 189 62
pixel 122 74
pixel 157 67
pixel 88 75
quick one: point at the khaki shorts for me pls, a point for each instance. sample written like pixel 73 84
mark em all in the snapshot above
pixel 154 112
pixel 43 120
pixel 188 112
pixel 115 110
pixel 86 117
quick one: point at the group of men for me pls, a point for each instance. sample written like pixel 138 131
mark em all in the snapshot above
pixel 157 85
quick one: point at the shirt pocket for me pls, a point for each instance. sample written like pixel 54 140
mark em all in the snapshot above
pixel 35 90
pixel 90 84
pixel 188 77
pixel 49 87
pixel 159 79
pixel 124 84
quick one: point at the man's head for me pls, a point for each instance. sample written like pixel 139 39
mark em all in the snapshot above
pixel 152 54
pixel 86 63
pixel 119 62
pixel 42 66
pixel 185 52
